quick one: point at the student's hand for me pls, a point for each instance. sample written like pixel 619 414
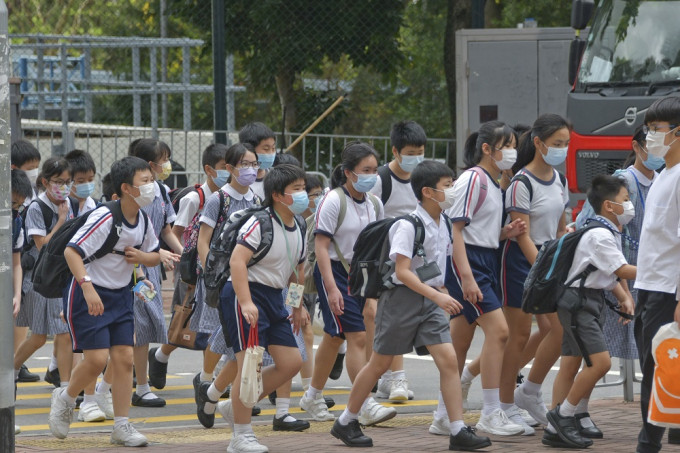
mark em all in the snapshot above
pixel 148 283
pixel 336 302
pixel 16 305
pixel 299 318
pixel 448 303
pixel 62 212
pixel 249 312
pixel 514 228
pixel 627 306
pixel 471 291
pixel 168 259
pixel 95 307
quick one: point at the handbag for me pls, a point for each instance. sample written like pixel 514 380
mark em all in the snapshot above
pixel 179 332
pixel 251 373
pixel 664 402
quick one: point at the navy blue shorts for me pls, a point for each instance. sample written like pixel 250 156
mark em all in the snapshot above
pixel 514 270
pixel 273 325
pixel 352 320
pixel 115 327
pixel 484 264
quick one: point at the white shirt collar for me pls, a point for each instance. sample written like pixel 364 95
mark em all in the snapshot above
pixel 642 179
pixel 233 193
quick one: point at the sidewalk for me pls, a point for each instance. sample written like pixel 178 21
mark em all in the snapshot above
pixel 619 421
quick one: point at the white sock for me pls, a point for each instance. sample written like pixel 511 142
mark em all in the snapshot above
pixel 506 407
pixel 103 387
pixel 306 381
pixel 214 393
pixel 63 384
pixel 206 377
pixel 89 399
pixel 53 364
pixel 530 388
pixel 398 375
pixel 16 374
pixel 441 408
pixel 282 407
pixel 387 376
pixel 347 417
pixel 456 426
pixel 492 400
pixel 343 348
pixel 466 377
pixel 550 429
pixel 242 429
pixel 145 392
pixel 313 393
pixel 119 421
pixel 163 358
pixel 582 406
pixel 67 398
pixel 567 409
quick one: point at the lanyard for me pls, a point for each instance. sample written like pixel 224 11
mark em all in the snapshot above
pixel 633 243
pixel 291 258
pixel 639 191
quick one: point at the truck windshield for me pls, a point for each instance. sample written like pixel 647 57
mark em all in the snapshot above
pixel 633 42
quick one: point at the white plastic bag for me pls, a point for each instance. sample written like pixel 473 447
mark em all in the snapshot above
pixel 251 374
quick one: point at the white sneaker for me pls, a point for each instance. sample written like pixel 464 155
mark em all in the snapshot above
pixel 317 408
pixel 465 389
pixel 440 426
pixel 105 403
pixel 17 429
pixel 128 436
pixel 90 412
pixel 528 419
pixel 384 388
pixel 61 415
pixel 399 391
pixel 227 412
pixel 533 404
pixel 515 417
pixel 374 413
pixel 497 423
pixel 246 443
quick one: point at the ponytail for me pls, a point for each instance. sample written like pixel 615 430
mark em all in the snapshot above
pixel 471 156
pixel 338 177
pixel 525 151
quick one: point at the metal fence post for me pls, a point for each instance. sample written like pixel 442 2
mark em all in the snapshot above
pixel 136 98
pixel 6 319
pixel 164 61
pixel 231 112
pixel 65 136
pixel 87 75
pixel 186 80
pixel 219 71
pixel 154 92
pixel 40 85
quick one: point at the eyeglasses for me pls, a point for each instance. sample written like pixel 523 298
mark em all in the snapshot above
pixel 60 182
pixel 646 129
pixel 246 164
pixel 315 194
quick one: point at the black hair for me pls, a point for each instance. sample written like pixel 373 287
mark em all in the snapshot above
pixel 665 109
pixel 123 172
pixel 278 178
pixel 235 153
pixel 544 127
pixel 602 188
pixel 107 187
pixel 427 174
pixel 285 158
pixel 492 133
pixel 149 149
pixel 254 133
pixel 21 184
pixel 640 138
pixel 80 161
pixel 54 166
pixel 353 153
pixel 23 151
pixel 213 154
pixel 405 133
pixel 312 182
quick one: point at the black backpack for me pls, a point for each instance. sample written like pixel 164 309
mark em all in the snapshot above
pixel 386 183
pixel 546 280
pixel 371 270
pixel 51 272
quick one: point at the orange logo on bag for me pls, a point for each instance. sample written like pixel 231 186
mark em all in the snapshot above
pixel 664 404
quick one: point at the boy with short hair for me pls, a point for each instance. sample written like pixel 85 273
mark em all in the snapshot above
pixel 253 296
pixel 580 307
pixel 263 140
pixel 393 187
pixel 658 272
pixel 98 302
pixel 83 171
pixel 415 314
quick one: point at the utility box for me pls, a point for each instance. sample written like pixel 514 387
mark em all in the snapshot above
pixel 512 75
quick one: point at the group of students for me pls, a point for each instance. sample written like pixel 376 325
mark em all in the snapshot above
pixel 482 233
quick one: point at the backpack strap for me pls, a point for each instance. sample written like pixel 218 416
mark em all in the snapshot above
pixel 47 213
pixel 75 205
pixel 201 197
pixel 524 179
pixel 166 199
pixel 563 179
pixel 386 182
pixel 114 234
pixel 483 188
pixel 419 238
pixel 374 201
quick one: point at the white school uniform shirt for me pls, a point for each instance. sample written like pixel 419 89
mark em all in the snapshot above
pixel 357 215
pixel 112 271
pixel 189 205
pixel 258 187
pixel 88 206
pixel 482 229
pixel 657 265
pixel 275 269
pixel 545 208
pixel 437 244
pixel 35 223
pixel 402 200
pixel 601 248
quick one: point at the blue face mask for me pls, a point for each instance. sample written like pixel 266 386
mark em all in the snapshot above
pixel 85 189
pixel 555 156
pixel 300 202
pixel 266 160
pixel 653 162
pixel 221 178
pixel 364 183
pixel 409 163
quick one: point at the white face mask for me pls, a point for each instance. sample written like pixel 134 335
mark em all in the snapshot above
pixel 147 193
pixel 628 212
pixel 508 160
pixel 655 143
pixel 32 175
pixel 448 198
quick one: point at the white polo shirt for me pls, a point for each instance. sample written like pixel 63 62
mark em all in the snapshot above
pixel 402 200
pixel 189 205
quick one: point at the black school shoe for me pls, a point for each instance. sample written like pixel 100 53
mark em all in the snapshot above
pixel 351 434
pixel 592 432
pixel 27 376
pixel 157 370
pixel 139 401
pixel 296 425
pixel 336 372
pixel 52 377
pixel 330 402
pixel 467 440
pixel 553 440
pixel 272 398
pixel 207 420
pixel 568 429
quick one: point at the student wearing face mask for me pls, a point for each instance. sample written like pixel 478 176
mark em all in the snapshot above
pixel 84 171
pixel 263 141
pixel 475 206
